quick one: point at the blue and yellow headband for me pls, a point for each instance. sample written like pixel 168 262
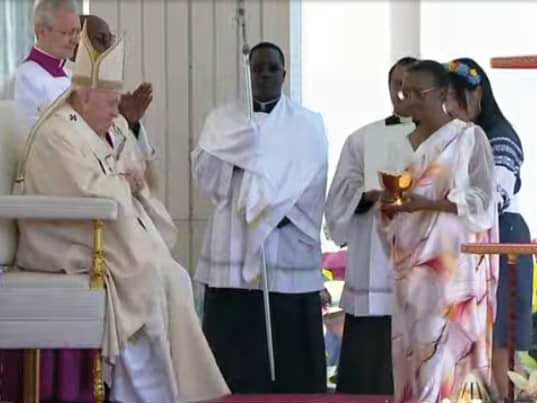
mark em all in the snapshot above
pixel 471 76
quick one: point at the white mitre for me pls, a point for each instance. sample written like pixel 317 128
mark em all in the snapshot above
pixel 91 70
pixel 98 70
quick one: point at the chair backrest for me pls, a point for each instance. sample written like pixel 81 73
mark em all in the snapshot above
pixel 8 161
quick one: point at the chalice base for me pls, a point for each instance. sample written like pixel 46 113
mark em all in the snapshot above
pixel 394 200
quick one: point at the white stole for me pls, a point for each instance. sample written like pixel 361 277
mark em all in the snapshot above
pixel 280 153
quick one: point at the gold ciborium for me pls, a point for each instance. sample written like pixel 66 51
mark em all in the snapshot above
pixel 396 184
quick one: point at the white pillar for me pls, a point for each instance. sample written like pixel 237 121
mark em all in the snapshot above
pixel 405 28
pixel 295 51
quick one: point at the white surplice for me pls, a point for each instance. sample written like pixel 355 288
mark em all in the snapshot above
pixel 368 278
pixel 36 89
pixel 255 175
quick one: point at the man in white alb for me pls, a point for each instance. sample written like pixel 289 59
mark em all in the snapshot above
pixel 267 183
pixel 365 359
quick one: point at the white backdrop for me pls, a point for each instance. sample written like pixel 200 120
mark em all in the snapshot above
pixel 348 47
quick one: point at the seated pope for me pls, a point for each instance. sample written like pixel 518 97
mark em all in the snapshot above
pixel 153 347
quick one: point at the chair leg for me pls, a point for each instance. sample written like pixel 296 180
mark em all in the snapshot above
pixel 32 368
pixel 98 382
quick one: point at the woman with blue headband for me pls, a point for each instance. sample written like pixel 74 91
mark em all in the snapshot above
pixel 473 100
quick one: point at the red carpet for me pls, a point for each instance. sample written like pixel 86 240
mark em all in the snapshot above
pixel 324 398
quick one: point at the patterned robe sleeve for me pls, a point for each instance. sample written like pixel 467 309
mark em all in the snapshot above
pixel 508 158
pixel 474 187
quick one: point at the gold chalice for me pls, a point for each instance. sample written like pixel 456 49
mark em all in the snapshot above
pixel 396 184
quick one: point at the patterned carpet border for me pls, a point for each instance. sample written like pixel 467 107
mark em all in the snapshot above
pixel 324 398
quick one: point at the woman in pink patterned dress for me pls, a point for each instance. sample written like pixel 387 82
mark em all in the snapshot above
pixel 444 300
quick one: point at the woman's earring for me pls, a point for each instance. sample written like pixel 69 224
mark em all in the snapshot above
pixel 444 108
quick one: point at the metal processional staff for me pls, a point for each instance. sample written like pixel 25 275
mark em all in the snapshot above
pixel 245 63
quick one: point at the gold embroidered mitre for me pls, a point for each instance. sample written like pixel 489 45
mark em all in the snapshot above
pixel 98 70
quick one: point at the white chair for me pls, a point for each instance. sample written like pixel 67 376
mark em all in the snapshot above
pixel 46 310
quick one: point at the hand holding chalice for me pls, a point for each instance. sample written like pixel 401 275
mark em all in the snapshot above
pixel 395 185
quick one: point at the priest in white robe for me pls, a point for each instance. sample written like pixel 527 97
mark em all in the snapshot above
pixel 365 360
pixel 153 348
pixel 40 80
pixel 266 180
pixel 43 76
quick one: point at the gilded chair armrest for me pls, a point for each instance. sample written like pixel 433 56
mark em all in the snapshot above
pixel 56 207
